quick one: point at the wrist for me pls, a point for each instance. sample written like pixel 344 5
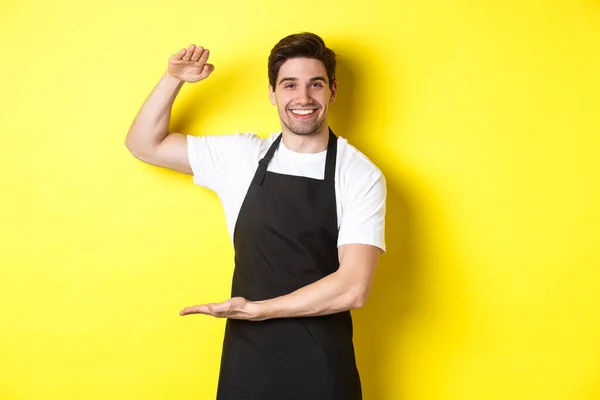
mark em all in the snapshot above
pixel 172 79
pixel 259 310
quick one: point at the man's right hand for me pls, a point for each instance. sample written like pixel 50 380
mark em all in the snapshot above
pixel 189 65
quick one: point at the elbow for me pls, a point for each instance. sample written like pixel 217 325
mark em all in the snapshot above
pixel 357 298
pixel 130 145
pixel 358 302
pixel 136 150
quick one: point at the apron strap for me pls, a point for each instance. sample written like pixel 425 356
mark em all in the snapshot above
pixel 330 159
pixel 259 176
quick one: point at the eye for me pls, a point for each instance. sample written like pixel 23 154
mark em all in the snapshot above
pixel 317 84
pixel 289 85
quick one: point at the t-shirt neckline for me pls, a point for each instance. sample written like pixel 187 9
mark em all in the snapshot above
pixel 298 155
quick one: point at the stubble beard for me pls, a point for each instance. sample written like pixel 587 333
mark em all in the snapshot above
pixel 302 128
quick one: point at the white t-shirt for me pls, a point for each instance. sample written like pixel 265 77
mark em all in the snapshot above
pixel 226 164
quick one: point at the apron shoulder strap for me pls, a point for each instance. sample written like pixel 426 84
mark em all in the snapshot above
pixel 263 163
pixel 330 160
pixel 331 157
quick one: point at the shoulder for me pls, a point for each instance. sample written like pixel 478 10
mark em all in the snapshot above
pixel 355 171
pixel 362 198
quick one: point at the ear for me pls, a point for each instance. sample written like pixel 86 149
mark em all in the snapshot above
pixel 272 95
pixel 333 92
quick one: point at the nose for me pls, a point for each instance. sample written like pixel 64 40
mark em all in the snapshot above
pixel 304 96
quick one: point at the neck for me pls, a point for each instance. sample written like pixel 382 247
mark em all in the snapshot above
pixel 313 143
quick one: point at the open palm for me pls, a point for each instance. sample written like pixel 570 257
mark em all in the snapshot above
pixel 190 65
pixel 234 308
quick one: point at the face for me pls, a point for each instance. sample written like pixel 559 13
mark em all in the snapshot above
pixel 302 95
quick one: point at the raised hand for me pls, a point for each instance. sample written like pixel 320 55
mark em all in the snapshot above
pixel 190 65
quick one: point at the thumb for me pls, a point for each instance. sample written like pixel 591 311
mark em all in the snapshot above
pixel 220 307
pixel 207 70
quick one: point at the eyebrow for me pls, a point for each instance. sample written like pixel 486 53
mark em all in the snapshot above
pixel 291 79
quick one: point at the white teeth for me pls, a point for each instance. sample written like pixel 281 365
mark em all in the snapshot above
pixel 303 112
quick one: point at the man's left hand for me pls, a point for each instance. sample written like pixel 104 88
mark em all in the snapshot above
pixel 235 308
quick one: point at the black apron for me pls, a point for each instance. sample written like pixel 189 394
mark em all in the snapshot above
pixel 286 238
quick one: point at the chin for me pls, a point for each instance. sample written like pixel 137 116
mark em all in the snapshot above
pixel 303 130
pixel 303 133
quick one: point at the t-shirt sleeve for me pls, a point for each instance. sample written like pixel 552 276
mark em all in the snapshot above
pixel 363 219
pixel 213 157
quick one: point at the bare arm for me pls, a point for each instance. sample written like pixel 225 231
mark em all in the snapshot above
pixel 149 138
pixel 347 288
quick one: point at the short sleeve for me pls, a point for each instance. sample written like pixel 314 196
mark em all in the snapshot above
pixel 212 157
pixel 363 219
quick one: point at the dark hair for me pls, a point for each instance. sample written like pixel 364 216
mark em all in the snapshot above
pixel 298 45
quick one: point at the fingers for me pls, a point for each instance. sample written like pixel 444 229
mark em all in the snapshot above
pixel 216 310
pixel 179 55
pixel 189 52
pixel 192 53
pixel 200 309
pixel 223 309
pixel 198 53
pixel 204 56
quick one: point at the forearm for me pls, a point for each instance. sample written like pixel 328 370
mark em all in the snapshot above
pixel 151 124
pixel 331 294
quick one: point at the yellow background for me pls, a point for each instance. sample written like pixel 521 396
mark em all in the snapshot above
pixel 483 115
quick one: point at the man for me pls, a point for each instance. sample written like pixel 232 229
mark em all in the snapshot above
pixel 305 211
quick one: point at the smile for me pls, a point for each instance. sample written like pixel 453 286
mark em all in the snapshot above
pixel 303 112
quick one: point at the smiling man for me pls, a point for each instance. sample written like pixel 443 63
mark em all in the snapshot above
pixel 305 212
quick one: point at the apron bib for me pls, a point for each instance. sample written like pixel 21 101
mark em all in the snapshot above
pixel 286 238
